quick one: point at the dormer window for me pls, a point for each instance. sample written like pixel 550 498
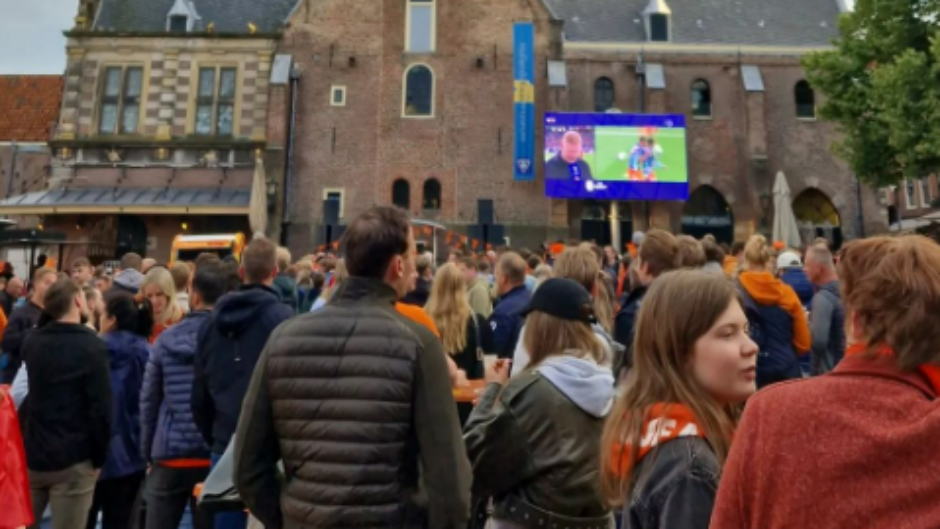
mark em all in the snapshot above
pixel 182 17
pixel 657 19
pixel 659 28
pixel 179 24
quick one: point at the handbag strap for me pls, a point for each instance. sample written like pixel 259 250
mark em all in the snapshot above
pixel 476 331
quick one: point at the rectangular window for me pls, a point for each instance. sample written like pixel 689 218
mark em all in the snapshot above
pixel 215 102
pixel 179 24
pixel 909 194
pixel 120 100
pixel 421 31
pixel 924 198
pixel 338 96
pixel 333 193
pixel 659 27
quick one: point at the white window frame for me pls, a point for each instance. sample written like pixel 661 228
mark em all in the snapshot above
pixel 910 201
pixel 333 90
pixel 404 91
pixel 433 5
pixel 922 186
pixel 342 198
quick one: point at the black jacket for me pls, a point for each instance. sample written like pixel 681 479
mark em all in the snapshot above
pixel 675 487
pixel 624 329
pixel 20 324
pixel 479 335
pixel 229 347
pixel 356 400
pixel 68 417
pixel 419 296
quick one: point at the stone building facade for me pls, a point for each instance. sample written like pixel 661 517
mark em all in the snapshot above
pixel 356 143
pixel 162 126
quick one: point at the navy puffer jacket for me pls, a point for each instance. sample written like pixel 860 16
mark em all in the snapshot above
pixel 168 429
pixel 127 354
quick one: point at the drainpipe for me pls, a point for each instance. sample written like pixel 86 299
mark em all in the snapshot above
pixel 10 172
pixel 289 162
pixel 860 217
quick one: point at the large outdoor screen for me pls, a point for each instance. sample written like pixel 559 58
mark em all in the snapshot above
pixel 616 156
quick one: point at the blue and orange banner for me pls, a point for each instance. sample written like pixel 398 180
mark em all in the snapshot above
pixel 523 39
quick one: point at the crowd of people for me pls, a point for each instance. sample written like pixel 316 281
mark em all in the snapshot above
pixel 682 384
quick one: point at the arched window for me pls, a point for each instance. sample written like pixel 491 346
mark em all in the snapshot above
pixel 701 99
pixel 432 194
pixel 401 194
pixel 603 94
pixel 419 92
pixel 805 101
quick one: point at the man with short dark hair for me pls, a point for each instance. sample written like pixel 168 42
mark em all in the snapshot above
pixel 67 415
pixel 128 276
pixel 228 350
pixel 513 296
pixel 170 440
pixel 356 400
pixel 83 272
pixel 23 320
pixel 827 317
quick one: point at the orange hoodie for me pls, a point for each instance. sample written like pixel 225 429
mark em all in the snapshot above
pixel 768 290
pixel 417 315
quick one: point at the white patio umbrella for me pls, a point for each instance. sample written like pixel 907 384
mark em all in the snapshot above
pixel 785 228
pixel 258 203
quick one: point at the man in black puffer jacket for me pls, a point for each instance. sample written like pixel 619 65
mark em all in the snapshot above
pixel 356 400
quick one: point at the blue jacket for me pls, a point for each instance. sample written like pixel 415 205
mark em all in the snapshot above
pixel 168 428
pixel 796 278
pixel 229 348
pixel 506 320
pixel 127 355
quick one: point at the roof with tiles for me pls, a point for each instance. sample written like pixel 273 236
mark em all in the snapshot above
pixel 29 106
pixel 704 22
pixel 227 16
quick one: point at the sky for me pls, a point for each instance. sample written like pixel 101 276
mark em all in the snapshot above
pixel 31 40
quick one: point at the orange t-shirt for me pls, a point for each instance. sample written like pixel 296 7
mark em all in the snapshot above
pixel 417 315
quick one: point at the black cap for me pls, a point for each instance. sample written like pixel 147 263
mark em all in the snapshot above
pixel 562 298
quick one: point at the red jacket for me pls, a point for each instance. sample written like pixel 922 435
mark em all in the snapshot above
pixel 857 448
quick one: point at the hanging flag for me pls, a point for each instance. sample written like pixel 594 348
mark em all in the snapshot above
pixel 523 34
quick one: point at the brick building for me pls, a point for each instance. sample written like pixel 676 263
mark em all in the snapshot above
pixel 162 122
pixel 29 108
pixel 410 103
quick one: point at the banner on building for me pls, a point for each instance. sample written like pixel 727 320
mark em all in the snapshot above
pixel 523 34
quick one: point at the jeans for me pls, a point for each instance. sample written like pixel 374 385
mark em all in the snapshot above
pixel 169 491
pixel 116 500
pixel 228 520
pixel 68 492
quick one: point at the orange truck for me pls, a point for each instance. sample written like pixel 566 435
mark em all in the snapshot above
pixel 188 247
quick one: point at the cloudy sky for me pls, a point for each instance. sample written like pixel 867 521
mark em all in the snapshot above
pixel 31 40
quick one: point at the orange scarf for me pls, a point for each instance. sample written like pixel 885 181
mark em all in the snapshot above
pixel 665 422
pixel 932 372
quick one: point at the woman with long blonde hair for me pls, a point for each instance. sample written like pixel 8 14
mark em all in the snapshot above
pixel 670 431
pixel 466 336
pixel 159 289
pixel 776 316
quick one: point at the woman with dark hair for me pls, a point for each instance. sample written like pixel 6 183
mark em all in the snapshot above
pixel 670 431
pixel 874 420
pixel 125 326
